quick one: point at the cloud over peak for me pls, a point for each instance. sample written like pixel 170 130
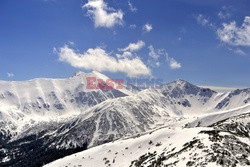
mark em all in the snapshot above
pixel 173 64
pixel 98 59
pixel 102 15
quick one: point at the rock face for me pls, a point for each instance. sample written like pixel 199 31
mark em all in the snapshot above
pixel 52 118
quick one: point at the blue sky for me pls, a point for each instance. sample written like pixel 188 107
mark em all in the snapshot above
pixel 203 42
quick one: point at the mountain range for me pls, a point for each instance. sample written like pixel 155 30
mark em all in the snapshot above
pixel 179 124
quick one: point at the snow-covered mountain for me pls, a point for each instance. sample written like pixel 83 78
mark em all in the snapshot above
pixel 25 103
pixel 52 118
pixel 225 143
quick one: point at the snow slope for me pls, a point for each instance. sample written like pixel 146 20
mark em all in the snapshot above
pixel 122 152
pixel 213 146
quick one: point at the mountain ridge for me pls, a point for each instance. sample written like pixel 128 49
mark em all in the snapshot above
pixel 63 115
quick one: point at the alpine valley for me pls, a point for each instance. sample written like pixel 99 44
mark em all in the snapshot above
pixel 60 123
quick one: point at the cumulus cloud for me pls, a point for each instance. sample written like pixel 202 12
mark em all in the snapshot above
pixel 131 7
pixel 102 15
pixel 173 64
pixel 10 75
pixel 125 54
pixel 98 59
pixel 147 27
pixel 233 35
pixel 133 46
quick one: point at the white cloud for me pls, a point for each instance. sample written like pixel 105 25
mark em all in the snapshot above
pixel 153 57
pixel 10 75
pixel 239 52
pixel 125 54
pixel 173 64
pixel 131 7
pixel 156 54
pixel 99 60
pixel 133 46
pixel 147 27
pixel 234 35
pixel 103 15
pixel 152 52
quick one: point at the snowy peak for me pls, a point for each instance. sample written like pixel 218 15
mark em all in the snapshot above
pixel 185 86
pixel 235 98
pixel 22 102
pixel 181 88
pixel 180 83
pixel 81 74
